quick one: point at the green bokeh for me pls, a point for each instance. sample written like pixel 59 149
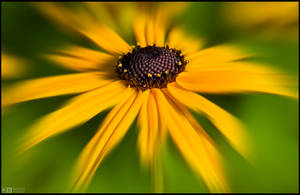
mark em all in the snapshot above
pixel 272 121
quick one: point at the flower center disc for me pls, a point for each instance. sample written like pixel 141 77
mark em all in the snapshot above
pixel 150 67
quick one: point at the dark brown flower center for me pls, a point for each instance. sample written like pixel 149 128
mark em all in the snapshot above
pixel 150 67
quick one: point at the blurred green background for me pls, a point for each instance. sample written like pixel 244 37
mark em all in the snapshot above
pixel 272 121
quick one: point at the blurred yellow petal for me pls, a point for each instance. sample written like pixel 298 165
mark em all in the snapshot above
pixel 214 55
pixel 148 134
pixel 84 53
pixel 102 13
pixel 84 23
pixel 82 59
pixel 244 77
pixel 118 16
pixel 188 115
pixel 163 17
pixel 143 26
pixel 208 143
pixel 233 66
pixel 124 14
pixel 197 150
pixel 230 127
pixel 177 39
pixel 153 21
pixel 111 132
pixel 139 30
pixel 11 66
pixel 266 19
pixel 257 13
pixel 59 14
pixel 105 38
pixel 161 109
pixel 77 111
pixel 160 25
pixel 149 30
pixel 52 86
pixel 171 9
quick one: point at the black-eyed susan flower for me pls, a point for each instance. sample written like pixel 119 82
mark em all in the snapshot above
pixel 156 81
pixel 269 19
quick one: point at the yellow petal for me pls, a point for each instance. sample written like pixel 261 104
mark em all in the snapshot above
pixel 124 13
pixel 111 132
pixel 161 109
pixel 82 59
pixel 105 38
pixel 139 30
pixel 77 111
pixel 11 66
pixel 216 54
pixel 150 33
pixel 102 13
pixel 188 115
pixel 160 25
pixel 58 13
pixel 178 40
pixel 53 86
pixel 163 18
pixel 238 79
pixel 148 135
pixel 269 19
pixel 144 25
pixel 197 150
pixel 171 9
pixel 230 127
pixel 237 66
pixel 153 21
pixel 81 21
pixel 118 16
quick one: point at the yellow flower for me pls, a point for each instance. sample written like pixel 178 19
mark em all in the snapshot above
pixel 265 18
pixel 159 85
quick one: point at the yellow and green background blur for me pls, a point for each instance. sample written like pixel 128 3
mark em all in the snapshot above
pixel 272 121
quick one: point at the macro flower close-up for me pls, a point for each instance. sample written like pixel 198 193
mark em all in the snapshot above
pixel 146 97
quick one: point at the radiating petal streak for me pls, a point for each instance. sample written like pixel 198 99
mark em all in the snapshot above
pixel 217 54
pixel 53 86
pixel 83 22
pixel 111 132
pixel 229 126
pixel 237 81
pixel 161 109
pixel 149 132
pixel 150 34
pixel 79 64
pixel 81 59
pixel 237 66
pixel 188 116
pixel 77 111
pixel 139 30
pixel 58 14
pixel 105 38
pixel 208 143
pixel 194 149
pixel 101 12
pixel 160 23
pixel 188 46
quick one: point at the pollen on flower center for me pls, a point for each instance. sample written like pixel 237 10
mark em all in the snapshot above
pixel 150 67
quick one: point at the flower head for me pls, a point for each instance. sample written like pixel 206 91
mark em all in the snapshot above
pixel 156 81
